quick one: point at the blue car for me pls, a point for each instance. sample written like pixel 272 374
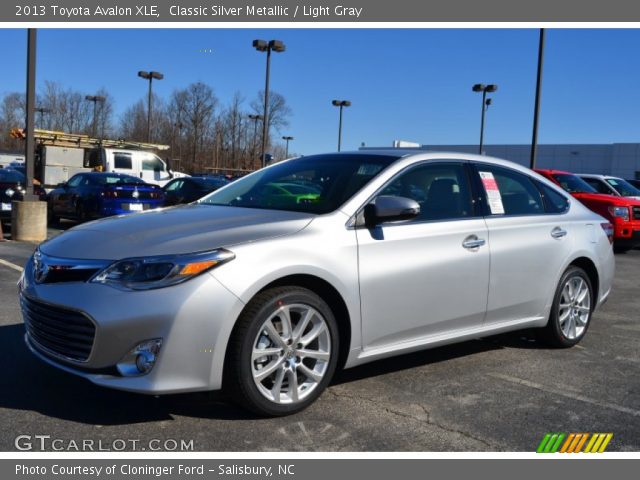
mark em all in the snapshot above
pixel 95 195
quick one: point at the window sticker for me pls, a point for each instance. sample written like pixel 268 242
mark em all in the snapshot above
pixel 493 194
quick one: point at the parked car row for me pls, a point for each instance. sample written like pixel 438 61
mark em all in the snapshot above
pixel 93 195
pixel 611 197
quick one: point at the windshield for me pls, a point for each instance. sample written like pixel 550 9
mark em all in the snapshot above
pixel 623 187
pixel 316 184
pixel 573 184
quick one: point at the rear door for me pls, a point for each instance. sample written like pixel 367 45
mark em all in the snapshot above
pixel 429 275
pixel 529 238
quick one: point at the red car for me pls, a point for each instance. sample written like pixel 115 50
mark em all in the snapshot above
pixel 622 212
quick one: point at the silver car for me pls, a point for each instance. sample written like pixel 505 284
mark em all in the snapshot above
pixel 266 286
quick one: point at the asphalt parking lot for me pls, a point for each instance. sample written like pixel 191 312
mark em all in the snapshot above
pixel 495 394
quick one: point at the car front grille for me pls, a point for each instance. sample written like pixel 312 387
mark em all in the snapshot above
pixel 58 331
pixel 636 213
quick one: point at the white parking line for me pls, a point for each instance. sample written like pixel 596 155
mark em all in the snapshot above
pixel 564 393
pixel 11 265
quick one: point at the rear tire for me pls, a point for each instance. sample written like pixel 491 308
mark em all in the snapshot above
pixel 81 213
pixel 52 218
pixel 299 335
pixel 571 310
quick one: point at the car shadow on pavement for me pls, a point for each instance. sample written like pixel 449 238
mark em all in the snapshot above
pixel 32 385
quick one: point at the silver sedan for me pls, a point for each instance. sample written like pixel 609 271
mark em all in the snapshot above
pixel 269 284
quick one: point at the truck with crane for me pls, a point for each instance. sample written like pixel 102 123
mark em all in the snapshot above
pixel 61 155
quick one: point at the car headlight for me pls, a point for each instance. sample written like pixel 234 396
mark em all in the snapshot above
pixel 620 212
pixel 145 273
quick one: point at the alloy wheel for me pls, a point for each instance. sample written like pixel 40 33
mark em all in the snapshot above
pixel 291 353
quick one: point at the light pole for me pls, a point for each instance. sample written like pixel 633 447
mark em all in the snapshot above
pixel 255 119
pixel 149 76
pixel 341 104
pixel 536 110
pixel 287 138
pixel 264 46
pixel 42 111
pixel 95 99
pixel 479 87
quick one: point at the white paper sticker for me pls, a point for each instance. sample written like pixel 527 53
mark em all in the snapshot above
pixel 493 193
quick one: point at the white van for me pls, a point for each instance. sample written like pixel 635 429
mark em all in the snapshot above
pixel 146 165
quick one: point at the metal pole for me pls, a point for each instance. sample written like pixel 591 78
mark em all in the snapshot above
pixel 265 116
pixel 149 111
pixel 95 125
pixel 340 129
pixel 484 97
pixel 286 155
pixel 30 147
pixel 536 111
pixel 255 135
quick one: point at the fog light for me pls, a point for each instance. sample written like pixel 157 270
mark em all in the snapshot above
pixel 141 359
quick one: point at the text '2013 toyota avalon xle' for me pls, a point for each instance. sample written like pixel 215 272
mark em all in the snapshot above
pixel 264 287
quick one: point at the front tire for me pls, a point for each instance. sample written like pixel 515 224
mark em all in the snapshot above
pixel 571 310
pixel 283 352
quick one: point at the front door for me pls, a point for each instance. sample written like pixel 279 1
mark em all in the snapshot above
pixel 430 275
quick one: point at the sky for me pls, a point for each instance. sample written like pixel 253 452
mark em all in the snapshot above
pixel 408 84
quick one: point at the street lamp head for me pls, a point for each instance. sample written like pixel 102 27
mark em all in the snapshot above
pixel 491 88
pixel 156 75
pixel 260 45
pixel 95 98
pixel 143 74
pixel 478 87
pixel 341 103
pixel 277 46
pixel 286 137
pixel 255 117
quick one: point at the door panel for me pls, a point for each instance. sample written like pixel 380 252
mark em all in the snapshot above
pixel 430 275
pixel 418 280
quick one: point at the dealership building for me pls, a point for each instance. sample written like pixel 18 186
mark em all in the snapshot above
pixel 617 159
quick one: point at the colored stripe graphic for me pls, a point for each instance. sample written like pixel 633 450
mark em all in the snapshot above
pixel 574 442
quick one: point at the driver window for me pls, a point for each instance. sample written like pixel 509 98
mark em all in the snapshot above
pixel 441 189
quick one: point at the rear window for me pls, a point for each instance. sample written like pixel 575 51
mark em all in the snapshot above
pixel 11 176
pixel 116 180
pixel 573 183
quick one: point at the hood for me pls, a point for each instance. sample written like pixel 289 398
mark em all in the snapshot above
pixel 170 231
pixel 604 199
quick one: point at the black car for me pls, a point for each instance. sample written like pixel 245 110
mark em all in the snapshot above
pixel 189 189
pixel 95 195
pixel 12 187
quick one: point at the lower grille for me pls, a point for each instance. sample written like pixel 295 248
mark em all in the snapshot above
pixel 57 330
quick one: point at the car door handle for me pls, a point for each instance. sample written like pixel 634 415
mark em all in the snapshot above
pixel 473 242
pixel 558 232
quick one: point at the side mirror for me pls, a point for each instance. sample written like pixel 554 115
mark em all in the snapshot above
pixel 62 185
pixel 389 208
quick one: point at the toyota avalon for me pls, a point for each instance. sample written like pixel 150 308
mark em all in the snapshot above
pixel 264 295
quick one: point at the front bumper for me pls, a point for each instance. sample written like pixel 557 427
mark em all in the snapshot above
pixel 194 319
